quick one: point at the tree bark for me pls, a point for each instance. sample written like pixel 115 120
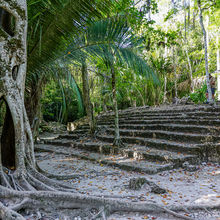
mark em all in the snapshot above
pixel 189 3
pixel 190 70
pixel 218 52
pixel 175 75
pixel 185 12
pixel 104 97
pixel 206 52
pixel 165 89
pixel 149 9
pixel 218 65
pixel 86 97
pixel 12 83
pixel 117 139
pixel 33 105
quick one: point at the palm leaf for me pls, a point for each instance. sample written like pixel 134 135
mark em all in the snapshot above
pixel 53 23
pixel 110 40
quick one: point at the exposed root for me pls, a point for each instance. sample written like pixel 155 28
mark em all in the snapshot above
pixel 9 214
pixel 176 214
pixel 26 185
pixel 58 177
pixel 60 195
pixel 21 205
pixel 38 184
pixel 42 199
pixel 70 200
pixel 118 143
pixel 50 182
pixel 4 180
pixel 99 214
pixel 74 176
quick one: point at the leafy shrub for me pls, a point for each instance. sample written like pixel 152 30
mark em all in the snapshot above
pixel 199 96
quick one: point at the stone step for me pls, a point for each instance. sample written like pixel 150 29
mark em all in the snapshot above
pixel 72 136
pixel 198 129
pixel 144 117
pixel 60 142
pixel 192 115
pixel 136 151
pixel 158 144
pixel 168 135
pixel 143 131
pixel 169 109
pixel 165 121
pixel 120 161
pixel 83 129
pixel 208 120
pixel 143 152
pixel 191 129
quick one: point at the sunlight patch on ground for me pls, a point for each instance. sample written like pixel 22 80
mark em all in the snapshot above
pixel 213 199
pixel 215 173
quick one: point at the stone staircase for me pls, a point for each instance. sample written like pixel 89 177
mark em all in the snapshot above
pixel 156 139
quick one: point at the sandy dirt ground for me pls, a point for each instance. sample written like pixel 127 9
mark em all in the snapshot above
pixel 184 189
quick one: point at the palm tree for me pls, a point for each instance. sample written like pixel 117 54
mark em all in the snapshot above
pixel 110 40
pixel 210 100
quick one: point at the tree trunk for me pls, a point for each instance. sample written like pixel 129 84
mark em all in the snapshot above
pixel 86 97
pixel 188 13
pixel 218 65
pixel 33 106
pixel 117 139
pixel 175 75
pixel 190 70
pixel 218 52
pixel 206 53
pixel 12 84
pixel 207 35
pixel 194 18
pixel 165 90
pixel 149 9
pixel 104 97
pixel 185 13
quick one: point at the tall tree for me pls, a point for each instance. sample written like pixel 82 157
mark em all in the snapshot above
pixel 111 40
pixel 206 51
pixel 86 98
pixel 117 139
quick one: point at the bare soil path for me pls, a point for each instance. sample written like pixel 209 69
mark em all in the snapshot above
pixel 184 189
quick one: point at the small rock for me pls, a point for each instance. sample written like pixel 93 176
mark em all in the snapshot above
pixel 158 190
pixel 39 216
pixel 190 168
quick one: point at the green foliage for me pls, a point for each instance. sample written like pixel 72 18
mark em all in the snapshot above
pixel 199 96
pixel 68 31
pixel 110 40
pixel 54 101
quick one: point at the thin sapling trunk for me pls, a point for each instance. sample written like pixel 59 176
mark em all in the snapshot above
pixel 206 53
pixel 117 140
pixel 86 97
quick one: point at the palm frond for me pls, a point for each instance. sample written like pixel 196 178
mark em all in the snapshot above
pixel 110 40
pixel 53 23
